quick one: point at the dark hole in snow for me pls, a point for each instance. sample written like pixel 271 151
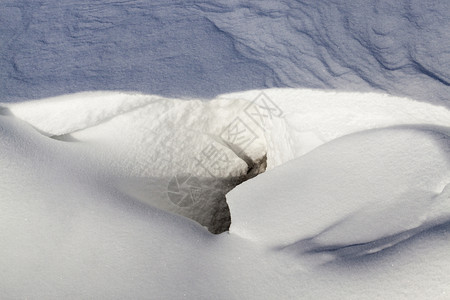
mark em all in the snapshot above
pixel 204 199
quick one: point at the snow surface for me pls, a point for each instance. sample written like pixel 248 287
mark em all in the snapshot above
pixel 355 197
pixel 200 49
pixel 102 193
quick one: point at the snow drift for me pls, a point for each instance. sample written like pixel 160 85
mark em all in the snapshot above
pixel 88 199
pixel 368 191
pixel 102 193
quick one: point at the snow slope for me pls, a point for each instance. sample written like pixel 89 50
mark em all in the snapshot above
pixel 355 202
pixel 365 189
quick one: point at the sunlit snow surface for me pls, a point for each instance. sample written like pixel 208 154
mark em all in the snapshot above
pixel 90 183
pixel 102 193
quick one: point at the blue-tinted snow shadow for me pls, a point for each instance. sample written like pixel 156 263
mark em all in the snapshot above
pixel 439 235
pixel 199 49
pixel 51 48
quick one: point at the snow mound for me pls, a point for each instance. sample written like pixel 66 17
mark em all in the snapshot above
pixel 353 196
pixel 180 156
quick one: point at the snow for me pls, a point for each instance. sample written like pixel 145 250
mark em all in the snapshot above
pixel 316 132
pixel 86 210
pixel 331 197
pixel 200 49
pixel 121 118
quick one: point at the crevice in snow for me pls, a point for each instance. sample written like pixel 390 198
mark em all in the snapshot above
pixel 255 167
pixel 184 157
pixel 210 207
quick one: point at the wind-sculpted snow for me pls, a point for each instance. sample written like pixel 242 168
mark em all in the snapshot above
pixel 51 47
pixel 184 156
pixel 368 190
pixel 396 46
pixel 102 193
pixel 89 200
pixel 180 156
pixel 201 49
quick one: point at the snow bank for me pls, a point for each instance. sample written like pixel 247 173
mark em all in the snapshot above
pixel 285 123
pixel 144 145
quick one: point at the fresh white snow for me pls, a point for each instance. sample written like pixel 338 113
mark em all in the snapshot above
pixel 355 196
pixel 171 118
